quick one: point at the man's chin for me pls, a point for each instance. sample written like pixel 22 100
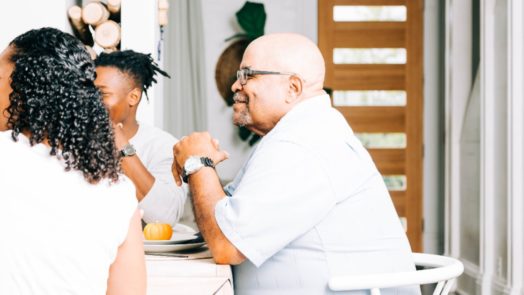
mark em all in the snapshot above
pixel 240 122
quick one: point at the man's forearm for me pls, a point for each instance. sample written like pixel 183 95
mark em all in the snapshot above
pixel 207 192
pixel 139 175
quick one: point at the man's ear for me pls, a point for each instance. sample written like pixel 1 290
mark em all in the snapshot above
pixel 134 96
pixel 295 88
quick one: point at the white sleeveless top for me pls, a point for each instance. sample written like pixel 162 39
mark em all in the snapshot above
pixel 59 233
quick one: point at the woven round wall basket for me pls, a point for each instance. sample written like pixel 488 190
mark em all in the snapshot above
pixel 226 68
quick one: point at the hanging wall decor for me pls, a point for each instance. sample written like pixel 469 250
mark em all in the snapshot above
pixel 252 19
pixel 163 8
pixel 97 22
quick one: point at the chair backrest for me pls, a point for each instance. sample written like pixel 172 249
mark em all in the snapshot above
pixel 442 270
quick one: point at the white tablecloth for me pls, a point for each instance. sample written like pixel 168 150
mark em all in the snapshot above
pixel 187 275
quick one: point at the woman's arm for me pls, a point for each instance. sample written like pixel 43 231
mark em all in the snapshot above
pixel 127 274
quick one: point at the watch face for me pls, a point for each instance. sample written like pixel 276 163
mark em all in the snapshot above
pixel 192 164
pixel 129 150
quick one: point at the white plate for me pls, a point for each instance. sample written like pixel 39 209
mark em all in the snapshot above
pixel 176 238
pixel 172 247
pixel 179 227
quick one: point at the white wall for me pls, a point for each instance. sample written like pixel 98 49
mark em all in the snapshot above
pixel 140 32
pixel 220 23
pixel 17 17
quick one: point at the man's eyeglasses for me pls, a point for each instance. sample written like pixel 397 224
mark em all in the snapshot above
pixel 244 74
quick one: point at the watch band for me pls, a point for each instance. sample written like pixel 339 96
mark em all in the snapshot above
pixel 206 162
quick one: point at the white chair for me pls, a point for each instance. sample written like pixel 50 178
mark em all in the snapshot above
pixel 444 270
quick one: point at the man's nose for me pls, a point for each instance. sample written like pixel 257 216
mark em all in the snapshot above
pixel 236 86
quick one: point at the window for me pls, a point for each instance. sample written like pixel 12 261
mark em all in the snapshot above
pixel 369 98
pixel 356 13
pixel 369 55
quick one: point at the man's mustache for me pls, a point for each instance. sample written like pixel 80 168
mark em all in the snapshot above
pixel 240 98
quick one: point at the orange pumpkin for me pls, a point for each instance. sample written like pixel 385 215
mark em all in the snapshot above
pixel 158 231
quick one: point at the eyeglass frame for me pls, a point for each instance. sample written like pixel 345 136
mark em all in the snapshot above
pixel 251 72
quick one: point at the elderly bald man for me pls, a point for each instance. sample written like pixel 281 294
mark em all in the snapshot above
pixel 309 203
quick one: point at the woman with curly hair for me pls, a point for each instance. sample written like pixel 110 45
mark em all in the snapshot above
pixel 70 223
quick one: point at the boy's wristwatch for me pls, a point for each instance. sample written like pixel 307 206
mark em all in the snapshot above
pixel 128 150
pixel 195 163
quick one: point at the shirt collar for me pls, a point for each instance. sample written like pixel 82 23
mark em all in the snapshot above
pixel 306 106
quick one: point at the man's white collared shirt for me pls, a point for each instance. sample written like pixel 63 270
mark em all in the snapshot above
pixel 310 204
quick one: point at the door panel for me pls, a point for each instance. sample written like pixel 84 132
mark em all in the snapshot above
pixel 369 26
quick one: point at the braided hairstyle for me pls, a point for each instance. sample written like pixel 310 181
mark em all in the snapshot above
pixel 55 99
pixel 140 67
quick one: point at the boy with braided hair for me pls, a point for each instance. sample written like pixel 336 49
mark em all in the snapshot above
pixel 122 77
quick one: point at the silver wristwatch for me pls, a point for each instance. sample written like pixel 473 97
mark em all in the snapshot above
pixel 128 150
pixel 195 163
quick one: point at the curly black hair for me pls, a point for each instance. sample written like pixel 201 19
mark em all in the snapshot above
pixel 139 66
pixel 54 98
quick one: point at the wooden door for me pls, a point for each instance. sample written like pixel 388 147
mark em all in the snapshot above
pixel 373 52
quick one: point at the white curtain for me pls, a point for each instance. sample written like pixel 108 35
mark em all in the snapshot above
pixel 185 107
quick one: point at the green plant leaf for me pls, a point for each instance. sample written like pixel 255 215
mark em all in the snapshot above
pixel 252 18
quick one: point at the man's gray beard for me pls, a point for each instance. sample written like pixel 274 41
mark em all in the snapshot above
pixel 244 115
pixel 244 118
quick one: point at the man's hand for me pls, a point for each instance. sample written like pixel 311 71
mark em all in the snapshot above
pixel 197 144
pixel 120 139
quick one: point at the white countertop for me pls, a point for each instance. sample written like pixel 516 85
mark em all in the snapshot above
pixel 195 274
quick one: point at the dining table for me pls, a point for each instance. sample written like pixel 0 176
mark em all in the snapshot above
pixel 187 272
